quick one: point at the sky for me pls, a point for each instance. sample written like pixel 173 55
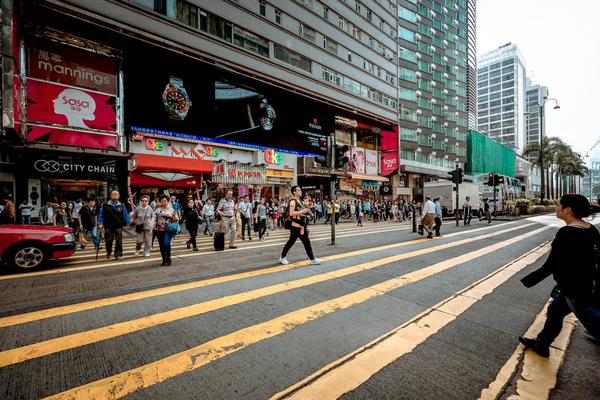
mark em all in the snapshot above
pixel 560 41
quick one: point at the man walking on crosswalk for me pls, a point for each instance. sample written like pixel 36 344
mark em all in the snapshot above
pixel 428 216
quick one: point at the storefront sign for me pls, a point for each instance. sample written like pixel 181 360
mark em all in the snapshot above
pixel 51 166
pixel 308 167
pixel 198 151
pixel 271 157
pixel 389 140
pixel 346 185
pixel 152 144
pixel 349 123
pixel 371 162
pixel 76 108
pixel 280 173
pixel 343 138
pixel 389 163
pixel 228 172
pixel 66 65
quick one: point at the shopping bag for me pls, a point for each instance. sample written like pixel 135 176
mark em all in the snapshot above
pixel 420 229
pixel 82 239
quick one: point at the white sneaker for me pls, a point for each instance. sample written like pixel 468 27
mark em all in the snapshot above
pixel 284 261
pixel 137 252
pixel 146 254
pixel 316 261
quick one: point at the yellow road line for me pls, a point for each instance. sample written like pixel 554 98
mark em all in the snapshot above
pixel 91 255
pixel 127 382
pixel 349 372
pixel 539 375
pixel 145 260
pixel 63 310
pixel 63 343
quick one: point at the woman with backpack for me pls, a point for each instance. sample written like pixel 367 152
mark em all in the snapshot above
pixel 573 263
pixel 192 220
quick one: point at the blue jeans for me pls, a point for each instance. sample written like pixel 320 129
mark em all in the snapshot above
pixel 94 233
pixel 562 306
pixel 208 227
pixel 164 243
pixel 25 219
pixel 467 217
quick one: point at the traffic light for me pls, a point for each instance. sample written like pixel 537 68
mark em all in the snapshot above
pixel 452 176
pixel 499 179
pixel 340 155
pixel 325 147
pixel 456 176
pixel 491 180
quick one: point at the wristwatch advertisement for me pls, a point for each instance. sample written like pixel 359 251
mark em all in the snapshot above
pixel 176 99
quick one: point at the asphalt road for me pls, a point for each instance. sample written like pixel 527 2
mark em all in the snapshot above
pixel 388 315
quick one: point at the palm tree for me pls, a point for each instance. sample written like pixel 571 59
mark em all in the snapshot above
pixel 568 165
pixel 550 146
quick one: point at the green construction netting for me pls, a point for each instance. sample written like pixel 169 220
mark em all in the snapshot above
pixel 485 155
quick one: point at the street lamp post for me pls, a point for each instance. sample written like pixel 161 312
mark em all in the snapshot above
pixel 541 108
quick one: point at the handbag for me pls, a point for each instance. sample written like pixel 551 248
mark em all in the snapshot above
pixel 139 228
pixel 174 228
pixel 420 229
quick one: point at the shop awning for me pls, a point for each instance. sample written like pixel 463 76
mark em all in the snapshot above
pixel 368 177
pixel 164 179
pixel 150 162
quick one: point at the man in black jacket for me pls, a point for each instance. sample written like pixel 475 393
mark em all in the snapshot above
pixel 113 216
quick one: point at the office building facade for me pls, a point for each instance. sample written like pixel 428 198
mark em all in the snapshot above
pixel 535 95
pixel 436 70
pixel 501 85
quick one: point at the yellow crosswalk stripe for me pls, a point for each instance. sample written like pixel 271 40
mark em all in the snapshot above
pixel 180 244
pixel 144 260
pixel 40 349
pixel 538 375
pixel 349 372
pixel 63 310
pixel 127 382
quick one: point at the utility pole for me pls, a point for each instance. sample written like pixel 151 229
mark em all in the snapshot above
pixel 332 156
pixel 495 178
pixel 458 173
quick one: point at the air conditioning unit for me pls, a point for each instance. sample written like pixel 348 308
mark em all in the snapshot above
pixel 433 153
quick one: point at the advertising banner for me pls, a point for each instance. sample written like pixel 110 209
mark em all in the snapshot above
pixel 389 163
pixel 60 105
pixel 57 63
pixel 71 97
pixel 372 158
pixel 356 160
pixel 389 140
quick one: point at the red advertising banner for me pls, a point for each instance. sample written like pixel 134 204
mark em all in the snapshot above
pixel 66 65
pixel 389 163
pixel 389 140
pixel 70 107
pixel 69 137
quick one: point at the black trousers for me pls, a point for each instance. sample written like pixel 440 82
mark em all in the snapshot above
pixel 193 231
pixel 438 225
pixel 294 235
pixel 114 235
pixel 245 223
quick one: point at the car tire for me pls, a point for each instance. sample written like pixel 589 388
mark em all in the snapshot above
pixel 27 256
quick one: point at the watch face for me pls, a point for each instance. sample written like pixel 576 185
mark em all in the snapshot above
pixel 175 100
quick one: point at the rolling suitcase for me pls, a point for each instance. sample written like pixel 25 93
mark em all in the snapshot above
pixel 219 241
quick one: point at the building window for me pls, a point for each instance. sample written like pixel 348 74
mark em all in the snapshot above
pixel 325 12
pixel 356 32
pixel 250 41
pixel 307 33
pixel 278 16
pixel 331 76
pixel 262 8
pixel 380 24
pixel 330 45
pixel 296 60
pixel 368 66
pixel 357 6
pixel 406 34
pixel 349 56
pixel 390 78
pixel 408 94
pixel 216 26
pixel 342 24
pixel 369 15
pixel 407 14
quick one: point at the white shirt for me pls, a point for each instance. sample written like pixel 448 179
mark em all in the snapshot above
pixel 245 208
pixel 429 207
pixel 50 212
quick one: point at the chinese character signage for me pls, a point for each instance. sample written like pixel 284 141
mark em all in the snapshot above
pixel 231 172
pixel 71 97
